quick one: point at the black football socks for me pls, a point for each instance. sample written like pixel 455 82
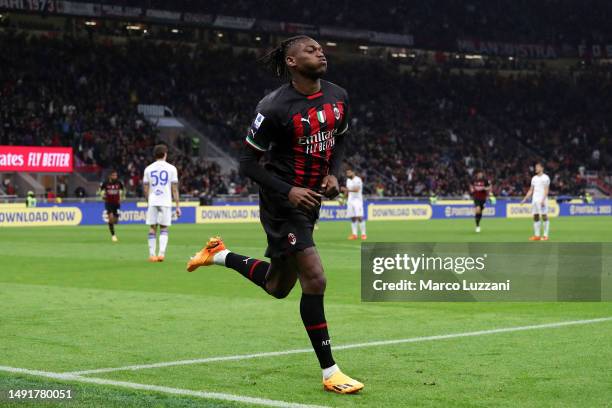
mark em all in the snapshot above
pixel 313 316
pixel 311 306
pixel 254 270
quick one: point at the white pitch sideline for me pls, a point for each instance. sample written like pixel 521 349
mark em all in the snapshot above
pixel 157 388
pixel 344 347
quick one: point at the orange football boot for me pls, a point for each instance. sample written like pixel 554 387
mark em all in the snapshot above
pixel 342 384
pixel 205 256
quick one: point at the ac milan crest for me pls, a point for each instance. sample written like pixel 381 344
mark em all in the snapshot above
pixel 336 113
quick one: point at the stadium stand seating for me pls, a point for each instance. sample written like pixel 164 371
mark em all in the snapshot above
pixel 413 132
pixel 437 22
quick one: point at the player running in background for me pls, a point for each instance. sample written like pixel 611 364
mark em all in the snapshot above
pixel 480 189
pixel 354 203
pixel 112 192
pixel 160 187
pixel 302 125
pixel 540 184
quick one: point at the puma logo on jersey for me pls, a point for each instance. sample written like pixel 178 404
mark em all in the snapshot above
pixel 307 120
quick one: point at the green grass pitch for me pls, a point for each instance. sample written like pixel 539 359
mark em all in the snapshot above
pixel 71 300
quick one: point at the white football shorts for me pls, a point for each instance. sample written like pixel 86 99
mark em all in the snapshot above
pixel 354 208
pixel 538 208
pixel 159 215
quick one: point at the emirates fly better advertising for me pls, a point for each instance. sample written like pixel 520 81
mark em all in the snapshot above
pixel 36 159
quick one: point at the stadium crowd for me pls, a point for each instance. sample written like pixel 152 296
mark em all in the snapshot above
pixel 414 133
pixel 436 23
pixel 81 94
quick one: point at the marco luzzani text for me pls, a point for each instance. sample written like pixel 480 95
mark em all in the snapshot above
pixel 420 266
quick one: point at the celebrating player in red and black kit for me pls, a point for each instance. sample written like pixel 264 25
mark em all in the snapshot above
pixel 480 189
pixel 302 126
pixel 111 190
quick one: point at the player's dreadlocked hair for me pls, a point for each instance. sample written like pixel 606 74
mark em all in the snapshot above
pixel 275 59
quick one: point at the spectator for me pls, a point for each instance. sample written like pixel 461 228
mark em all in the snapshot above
pixel 412 131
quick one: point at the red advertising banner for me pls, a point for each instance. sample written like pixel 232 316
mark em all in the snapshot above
pixel 36 159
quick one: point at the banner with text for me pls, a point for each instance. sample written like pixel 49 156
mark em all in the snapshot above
pixel 13 215
pixel 495 48
pixel 36 159
pixel 18 215
pixel 595 51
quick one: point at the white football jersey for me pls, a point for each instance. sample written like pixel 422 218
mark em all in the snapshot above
pixel 539 184
pixel 353 183
pixel 159 176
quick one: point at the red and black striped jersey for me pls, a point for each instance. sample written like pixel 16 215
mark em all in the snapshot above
pixel 300 132
pixel 479 189
pixel 112 191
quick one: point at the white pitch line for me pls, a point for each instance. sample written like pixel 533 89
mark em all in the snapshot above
pixel 157 388
pixel 344 347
